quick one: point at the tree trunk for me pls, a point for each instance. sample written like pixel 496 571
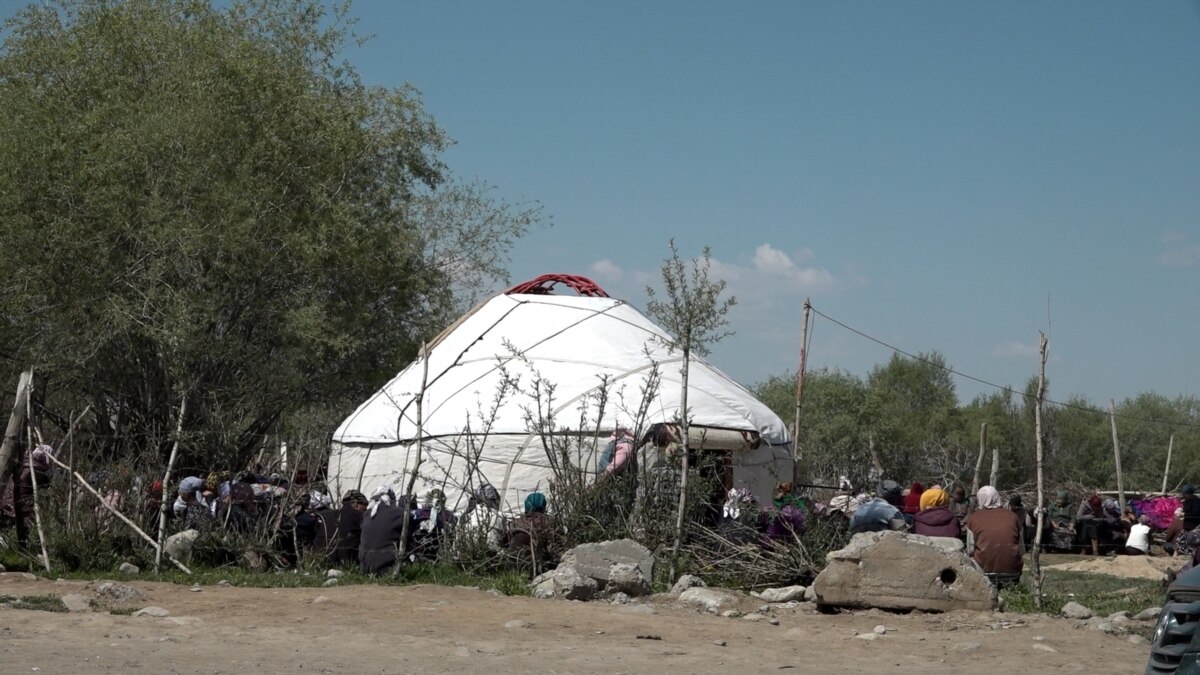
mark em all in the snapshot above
pixel 37 509
pixel 1035 557
pixel 979 459
pixel 683 478
pixel 165 504
pixel 12 434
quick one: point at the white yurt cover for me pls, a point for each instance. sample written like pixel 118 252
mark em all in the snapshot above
pixel 570 342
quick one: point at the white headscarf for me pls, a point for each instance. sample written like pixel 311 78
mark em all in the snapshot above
pixel 988 497
pixel 382 495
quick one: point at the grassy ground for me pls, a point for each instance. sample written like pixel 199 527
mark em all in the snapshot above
pixel 44 603
pixel 1100 593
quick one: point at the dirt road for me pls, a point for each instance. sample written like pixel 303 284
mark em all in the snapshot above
pixel 437 629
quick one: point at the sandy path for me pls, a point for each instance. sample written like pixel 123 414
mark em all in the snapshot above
pixel 435 629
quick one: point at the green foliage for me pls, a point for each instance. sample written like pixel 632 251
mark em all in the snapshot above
pixel 691 310
pixel 206 201
pixel 1101 593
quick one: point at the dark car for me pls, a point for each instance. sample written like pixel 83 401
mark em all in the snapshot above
pixel 1175 647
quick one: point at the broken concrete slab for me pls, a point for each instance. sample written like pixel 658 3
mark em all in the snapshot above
pixel 596 560
pixel 896 570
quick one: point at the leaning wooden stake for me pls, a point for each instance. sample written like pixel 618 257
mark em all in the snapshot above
pixel 1112 407
pixel 70 460
pixel 1041 505
pixel 405 531
pixel 979 459
pixel 995 467
pixel 164 504
pixel 1167 468
pixel 37 509
pixel 118 514
pixel 12 434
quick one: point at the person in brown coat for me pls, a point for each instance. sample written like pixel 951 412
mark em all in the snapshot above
pixel 994 535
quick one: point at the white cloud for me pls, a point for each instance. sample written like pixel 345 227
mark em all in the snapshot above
pixel 1170 237
pixel 770 261
pixel 1183 256
pixel 1014 349
pixel 607 270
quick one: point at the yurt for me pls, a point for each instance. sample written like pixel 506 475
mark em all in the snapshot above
pixel 494 379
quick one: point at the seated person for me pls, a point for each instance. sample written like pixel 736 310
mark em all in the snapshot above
pixel 935 519
pixel 382 529
pixel 527 534
pixel 1060 521
pixel 1094 525
pixel 1138 542
pixel 994 535
pixel 877 515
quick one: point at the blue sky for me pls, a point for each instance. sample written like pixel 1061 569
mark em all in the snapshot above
pixel 937 174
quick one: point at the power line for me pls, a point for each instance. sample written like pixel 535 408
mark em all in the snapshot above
pixel 1001 387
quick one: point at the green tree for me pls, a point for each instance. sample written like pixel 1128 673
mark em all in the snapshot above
pixel 694 315
pixel 207 201
pixel 915 411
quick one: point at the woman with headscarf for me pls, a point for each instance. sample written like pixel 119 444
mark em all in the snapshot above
pixel 382 528
pixel 527 535
pixel 912 501
pixel 994 535
pixel 935 519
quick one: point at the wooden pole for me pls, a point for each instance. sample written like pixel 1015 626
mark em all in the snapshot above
pixel 979 459
pixel 995 478
pixel 163 503
pixel 800 391
pixel 12 434
pixel 37 509
pixel 1041 504
pixel 118 514
pixel 405 531
pixel 1112 407
pixel 1167 469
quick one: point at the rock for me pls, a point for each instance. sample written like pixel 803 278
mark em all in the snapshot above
pixel 330 582
pixel 869 636
pixel 1107 627
pixel 516 624
pixel 118 593
pixel 3 569
pixel 76 602
pixel 627 578
pixel 1120 617
pixel 713 599
pixel 1148 614
pixel 880 630
pixel 157 612
pixel 731 614
pixel 764 609
pixel 1044 648
pixel 754 616
pixel 895 570
pixel 773 621
pixel 564 582
pixel 195 589
pixel 719 643
pixel 224 582
pixel 23 576
pixel 685 582
pixel 785 594
pixel 319 600
pixel 1137 640
pixel 334 574
pixel 967 647
pixel 184 620
pixel 597 560
pixel 810 594
pixel 179 545
pixel 619 599
pixel 129 568
pixel 1074 610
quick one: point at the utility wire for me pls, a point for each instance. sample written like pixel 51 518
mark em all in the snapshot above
pixel 1001 387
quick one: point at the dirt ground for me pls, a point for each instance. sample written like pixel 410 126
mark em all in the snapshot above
pixel 438 629
pixel 1129 566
